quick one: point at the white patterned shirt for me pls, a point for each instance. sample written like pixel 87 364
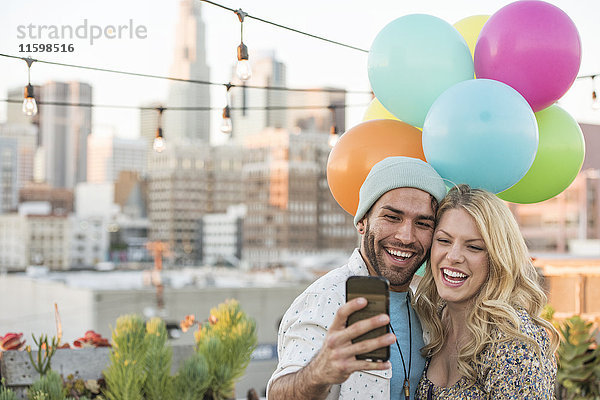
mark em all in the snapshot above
pixel 304 327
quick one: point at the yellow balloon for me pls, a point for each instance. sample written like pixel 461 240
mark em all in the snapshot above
pixel 376 110
pixel 469 29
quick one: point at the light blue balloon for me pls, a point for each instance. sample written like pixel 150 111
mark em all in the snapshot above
pixel 413 60
pixel 481 132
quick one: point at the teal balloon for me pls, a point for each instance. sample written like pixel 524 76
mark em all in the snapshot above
pixel 558 160
pixel 413 60
pixel 481 132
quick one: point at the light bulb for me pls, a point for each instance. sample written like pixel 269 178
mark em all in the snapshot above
pixel 30 106
pixel 333 139
pixel 595 101
pixel 243 70
pixel 226 126
pixel 159 144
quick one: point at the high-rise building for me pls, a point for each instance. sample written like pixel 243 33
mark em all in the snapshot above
pixel 220 238
pixel 64 131
pixel 266 71
pixel 61 200
pixel 311 111
pixel 34 236
pixel 9 161
pixel 108 156
pixel 290 210
pixel 149 123
pixel 329 110
pixel 26 137
pixel 129 230
pixel 189 63
pixel 185 183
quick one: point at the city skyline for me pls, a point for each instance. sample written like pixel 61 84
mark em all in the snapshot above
pixel 309 62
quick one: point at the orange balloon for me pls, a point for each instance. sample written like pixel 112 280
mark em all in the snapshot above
pixel 363 146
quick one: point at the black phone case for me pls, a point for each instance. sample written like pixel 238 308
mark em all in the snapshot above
pixel 376 291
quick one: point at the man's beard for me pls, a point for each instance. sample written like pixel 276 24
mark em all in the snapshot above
pixel 395 277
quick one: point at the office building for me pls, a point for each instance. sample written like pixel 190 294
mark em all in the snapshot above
pixel 9 161
pixel 291 212
pixel 64 131
pixel 266 71
pixel 189 62
pixel 184 184
pixel 26 137
pixel 108 156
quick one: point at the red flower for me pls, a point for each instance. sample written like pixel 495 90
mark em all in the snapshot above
pixel 12 341
pixel 91 339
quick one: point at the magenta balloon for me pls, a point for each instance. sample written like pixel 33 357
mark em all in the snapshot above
pixel 532 46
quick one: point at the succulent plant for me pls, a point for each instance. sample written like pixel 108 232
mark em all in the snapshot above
pixel 48 387
pixel 6 393
pixel 91 339
pixel 579 360
pixel 45 353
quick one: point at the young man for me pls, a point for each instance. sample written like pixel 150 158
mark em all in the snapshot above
pixel 395 219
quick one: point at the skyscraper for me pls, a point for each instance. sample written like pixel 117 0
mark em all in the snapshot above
pixel 26 136
pixel 266 71
pixel 149 123
pixel 291 212
pixel 109 155
pixel 9 156
pixel 184 184
pixel 308 110
pixel 189 63
pixel 64 132
pixel 321 117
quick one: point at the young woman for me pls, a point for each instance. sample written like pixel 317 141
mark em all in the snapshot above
pixel 480 300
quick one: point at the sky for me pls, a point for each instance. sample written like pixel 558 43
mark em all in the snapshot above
pixel 310 62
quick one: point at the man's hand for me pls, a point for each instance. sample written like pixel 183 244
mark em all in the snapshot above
pixel 336 360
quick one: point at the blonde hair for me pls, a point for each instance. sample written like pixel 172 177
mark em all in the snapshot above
pixel 512 283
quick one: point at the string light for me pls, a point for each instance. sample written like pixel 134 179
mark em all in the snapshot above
pixel 29 104
pixel 333 135
pixel 595 99
pixel 226 125
pixel 159 142
pixel 243 70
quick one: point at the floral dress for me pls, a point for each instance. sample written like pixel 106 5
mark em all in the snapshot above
pixel 509 370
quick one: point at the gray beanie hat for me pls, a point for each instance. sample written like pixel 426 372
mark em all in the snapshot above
pixel 398 172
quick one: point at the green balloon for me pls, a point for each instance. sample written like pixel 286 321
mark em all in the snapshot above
pixel 558 160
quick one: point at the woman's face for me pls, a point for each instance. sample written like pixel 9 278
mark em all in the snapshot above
pixel 459 258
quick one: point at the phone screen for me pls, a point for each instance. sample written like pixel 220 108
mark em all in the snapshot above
pixel 376 291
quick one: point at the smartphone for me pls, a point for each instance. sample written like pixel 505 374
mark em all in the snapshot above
pixel 377 292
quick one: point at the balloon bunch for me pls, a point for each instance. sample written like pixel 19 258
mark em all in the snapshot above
pixel 475 100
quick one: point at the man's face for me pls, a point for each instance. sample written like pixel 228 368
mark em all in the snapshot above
pixel 397 234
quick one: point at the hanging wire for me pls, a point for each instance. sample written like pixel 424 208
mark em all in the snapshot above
pixel 195 81
pixel 126 107
pixel 287 28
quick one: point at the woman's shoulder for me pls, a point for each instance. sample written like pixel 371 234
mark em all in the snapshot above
pixel 515 364
pixel 522 347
